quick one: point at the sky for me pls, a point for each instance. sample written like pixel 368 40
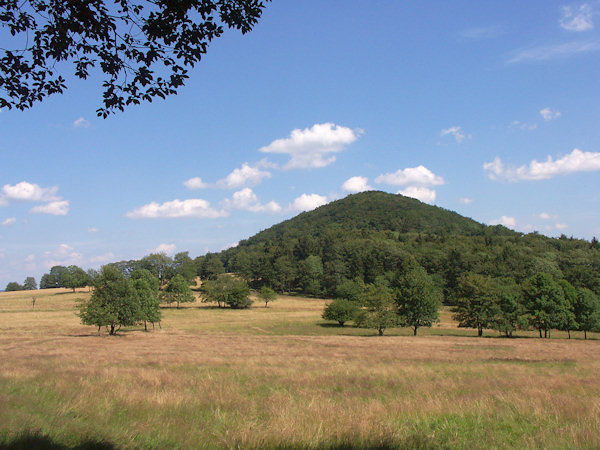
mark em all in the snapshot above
pixel 489 109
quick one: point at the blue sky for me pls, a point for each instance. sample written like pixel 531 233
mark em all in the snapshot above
pixel 489 109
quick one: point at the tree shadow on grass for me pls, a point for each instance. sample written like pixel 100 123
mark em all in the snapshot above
pixel 36 440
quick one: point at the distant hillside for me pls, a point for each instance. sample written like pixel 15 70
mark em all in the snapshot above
pixel 376 234
pixel 377 211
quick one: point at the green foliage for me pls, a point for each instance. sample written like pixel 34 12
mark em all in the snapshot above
pixel 350 290
pixel 211 267
pixel 227 291
pixel 30 284
pixel 113 304
pixel 13 286
pixel 418 299
pixel 159 264
pixel 510 312
pixel 185 266
pixel 75 277
pixel 55 278
pixel 177 291
pixel 310 273
pixel 267 295
pixel 341 310
pixel 545 303
pixel 587 311
pixel 476 302
pixel 146 287
pixel 379 309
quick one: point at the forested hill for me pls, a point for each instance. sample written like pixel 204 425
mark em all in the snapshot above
pixel 375 234
pixel 375 211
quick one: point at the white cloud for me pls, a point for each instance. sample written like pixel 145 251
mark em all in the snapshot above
pixel 167 249
pixel 576 161
pixel 102 259
pixel 81 123
pixel 193 207
pixel 58 208
pixel 230 245
pixel 507 221
pixel 247 200
pixel 307 202
pixel 25 191
pixel 93 230
pixel 524 126
pixel 313 147
pixel 554 51
pixel 561 226
pixel 577 19
pixel 457 132
pixel 30 258
pixel 546 216
pixel 424 194
pixel 466 200
pixel 195 183
pixel 244 176
pixel 356 184
pixel 10 221
pixel 415 176
pixel 64 255
pixel 549 114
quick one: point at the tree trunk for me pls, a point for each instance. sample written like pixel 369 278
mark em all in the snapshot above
pixel 415 328
pixel 545 333
pixel 99 326
pixel 145 325
pixel 540 333
pixel 112 330
pixel 585 334
pixel 266 303
pixel 381 330
pixel 479 332
pixel 569 331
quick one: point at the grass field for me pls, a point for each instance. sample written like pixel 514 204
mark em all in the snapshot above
pixel 282 378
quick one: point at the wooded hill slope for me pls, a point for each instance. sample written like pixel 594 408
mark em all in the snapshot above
pixel 372 234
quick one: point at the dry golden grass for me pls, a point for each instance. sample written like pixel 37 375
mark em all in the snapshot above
pixel 277 377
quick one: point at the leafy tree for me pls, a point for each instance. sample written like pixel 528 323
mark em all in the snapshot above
pixel 380 309
pixel 185 266
pixel 13 286
pixel 75 278
pixel 146 287
pixel 30 284
pixel 212 267
pixel 570 295
pixel 418 300
pixel 266 294
pixel 587 311
pixel 177 291
pixel 285 273
pixel 142 48
pixel 510 314
pixel 310 273
pixel 159 264
pixel 55 278
pixel 227 290
pixel 341 310
pixel 545 303
pixel 475 304
pixel 350 290
pixel 113 304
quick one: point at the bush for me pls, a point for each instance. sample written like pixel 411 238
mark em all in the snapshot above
pixel 341 311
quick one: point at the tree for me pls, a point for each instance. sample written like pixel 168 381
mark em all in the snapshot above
pixel 266 294
pixel 146 287
pixel 177 290
pixel 545 303
pixel 310 274
pixel 510 313
pixel 570 295
pixel 341 310
pixel 55 278
pixel 143 48
pixel 380 309
pixel 13 286
pixel 350 290
pixel 476 305
pixel 29 284
pixel 113 304
pixel 212 267
pixel 159 264
pixel 418 300
pixel 185 266
pixel 75 278
pixel 587 311
pixel 227 290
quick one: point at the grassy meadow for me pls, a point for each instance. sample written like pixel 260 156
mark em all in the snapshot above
pixel 281 377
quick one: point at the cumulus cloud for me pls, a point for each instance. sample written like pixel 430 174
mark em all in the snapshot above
pixel 247 200
pixel 93 230
pixel 356 184
pixel 561 226
pixel 524 126
pixel 576 161
pixel 507 221
pixel 577 19
pixel 102 259
pixel 417 176
pixel 550 114
pixel 167 249
pixel 25 191
pixel 307 202
pixel 9 221
pixel 195 183
pixel 424 194
pixel 58 208
pixel 64 255
pixel 193 207
pixel 546 216
pixel 553 51
pixel 247 175
pixel 466 200
pixel 313 147
pixel 456 132
pixel 81 123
